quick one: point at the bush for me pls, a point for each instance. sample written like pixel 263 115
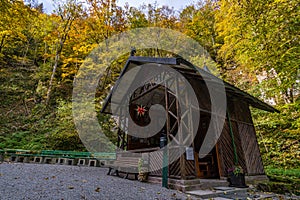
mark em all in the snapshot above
pixel 279 135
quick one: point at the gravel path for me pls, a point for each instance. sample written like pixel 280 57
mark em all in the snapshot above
pixel 34 181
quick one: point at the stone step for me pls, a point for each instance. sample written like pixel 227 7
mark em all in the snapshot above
pixel 229 193
pixel 220 192
pixel 263 196
pixel 213 183
pixel 190 185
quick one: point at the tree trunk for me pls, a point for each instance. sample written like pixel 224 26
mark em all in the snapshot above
pixel 57 57
pixel 25 53
pixel 2 42
pixel 62 38
pixel 291 96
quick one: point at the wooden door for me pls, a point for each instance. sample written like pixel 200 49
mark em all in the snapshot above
pixel 207 166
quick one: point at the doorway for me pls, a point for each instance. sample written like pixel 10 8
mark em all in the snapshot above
pixel 207 165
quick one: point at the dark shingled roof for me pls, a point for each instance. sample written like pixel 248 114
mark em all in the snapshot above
pixel 188 69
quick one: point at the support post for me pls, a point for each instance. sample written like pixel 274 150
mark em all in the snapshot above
pixel 165 168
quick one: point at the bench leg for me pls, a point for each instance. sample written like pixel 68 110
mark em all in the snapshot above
pixel 109 171
pixel 117 173
pixel 136 176
pixel 126 177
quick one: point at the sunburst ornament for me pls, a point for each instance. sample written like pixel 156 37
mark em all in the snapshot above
pixel 141 110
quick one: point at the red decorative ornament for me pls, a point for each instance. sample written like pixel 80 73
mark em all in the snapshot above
pixel 141 110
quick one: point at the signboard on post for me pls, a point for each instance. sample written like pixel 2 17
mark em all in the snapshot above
pixel 189 153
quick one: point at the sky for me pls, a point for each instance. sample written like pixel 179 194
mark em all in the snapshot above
pixel 177 4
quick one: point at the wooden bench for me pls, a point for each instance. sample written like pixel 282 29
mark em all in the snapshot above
pixel 128 165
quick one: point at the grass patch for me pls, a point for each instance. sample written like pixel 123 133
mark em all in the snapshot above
pixel 295 173
pixel 282 181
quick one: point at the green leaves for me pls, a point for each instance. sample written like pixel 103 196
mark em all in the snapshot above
pixel 262 36
pixel 278 135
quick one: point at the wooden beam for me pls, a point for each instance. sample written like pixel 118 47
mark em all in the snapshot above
pixel 181 144
pixel 219 161
pixel 144 93
pixel 167 122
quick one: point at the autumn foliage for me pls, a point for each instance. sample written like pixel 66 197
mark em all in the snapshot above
pixel 254 43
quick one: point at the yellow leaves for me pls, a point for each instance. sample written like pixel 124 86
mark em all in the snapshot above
pixel 6 33
pixel 13 35
pixel 70 60
pixel 70 67
pixel 84 49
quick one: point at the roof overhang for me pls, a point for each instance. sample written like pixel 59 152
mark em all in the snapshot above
pixel 187 69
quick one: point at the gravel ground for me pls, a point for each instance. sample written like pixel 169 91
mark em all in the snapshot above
pixel 34 181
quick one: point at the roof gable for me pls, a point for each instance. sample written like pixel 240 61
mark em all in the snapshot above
pixel 188 69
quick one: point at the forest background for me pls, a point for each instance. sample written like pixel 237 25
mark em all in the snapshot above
pixel 255 44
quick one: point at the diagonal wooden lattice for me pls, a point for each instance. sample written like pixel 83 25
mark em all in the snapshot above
pixel 250 149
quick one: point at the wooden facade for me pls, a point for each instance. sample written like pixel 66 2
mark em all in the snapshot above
pixel 238 126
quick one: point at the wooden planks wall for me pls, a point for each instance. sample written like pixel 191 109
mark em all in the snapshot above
pixel 225 151
pixel 245 140
pixel 251 149
pixel 155 162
